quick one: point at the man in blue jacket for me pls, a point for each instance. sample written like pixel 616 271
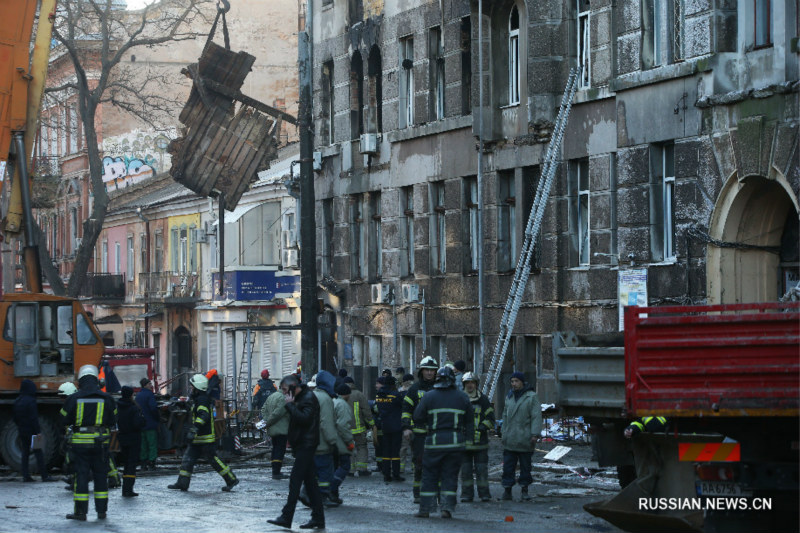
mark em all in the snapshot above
pixel 147 403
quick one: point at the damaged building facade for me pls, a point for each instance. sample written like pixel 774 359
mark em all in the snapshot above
pixel 680 160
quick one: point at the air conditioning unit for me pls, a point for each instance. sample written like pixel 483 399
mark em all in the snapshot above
pixel 369 143
pixel 199 235
pixel 289 238
pixel 289 258
pixel 318 161
pixel 410 292
pixel 379 293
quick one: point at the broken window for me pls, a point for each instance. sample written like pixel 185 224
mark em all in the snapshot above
pixel 375 88
pixel 375 244
pixel 407 203
pixel 513 56
pixel 436 74
pixel 471 223
pixel 530 184
pixel 761 23
pixel 358 259
pixel 507 221
pixel 356 96
pixel 437 228
pixel 327 237
pixel 327 102
pixel 466 66
pixel 406 82
pixel 662 197
pixel 584 44
pixel 579 211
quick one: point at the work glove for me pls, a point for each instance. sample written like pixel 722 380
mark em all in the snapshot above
pixel 191 434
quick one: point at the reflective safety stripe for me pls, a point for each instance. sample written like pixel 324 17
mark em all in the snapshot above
pixel 277 461
pixel 185 473
pixel 448 493
pixel 427 494
pixel 359 426
pixel 80 497
pixel 63 412
pixel 100 495
pixel 129 477
pixel 324 484
pixel 417 483
pixel 98 418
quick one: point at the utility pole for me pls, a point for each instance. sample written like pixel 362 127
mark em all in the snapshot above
pixel 308 238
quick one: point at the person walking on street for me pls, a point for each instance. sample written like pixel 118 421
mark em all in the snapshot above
pixel 389 403
pixel 275 415
pixel 363 423
pixel 90 414
pixel 411 429
pixel 202 439
pixel 522 428
pixel 345 443
pixel 130 422
pixel 303 436
pixel 146 400
pixel 476 455
pixel 447 414
pixel 323 458
pixel 26 417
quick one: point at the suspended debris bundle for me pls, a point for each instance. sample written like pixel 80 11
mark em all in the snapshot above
pixel 224 145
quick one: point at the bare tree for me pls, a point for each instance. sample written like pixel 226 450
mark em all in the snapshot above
pixel 96 35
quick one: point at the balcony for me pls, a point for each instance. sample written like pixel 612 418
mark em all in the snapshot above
pixel 45 165
pixel 170 287
pixel 103 287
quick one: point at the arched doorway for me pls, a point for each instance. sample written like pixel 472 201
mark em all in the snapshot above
pixel 753 212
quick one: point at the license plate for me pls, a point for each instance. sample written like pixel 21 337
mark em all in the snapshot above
pixel 720 488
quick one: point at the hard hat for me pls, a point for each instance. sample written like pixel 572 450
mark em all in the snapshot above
pixel 445 378
pixel 199 382
pixel 428 362
pixel 67 389
pixel 265 374
pixel 87 370
pixel 313 383
pixel 470 376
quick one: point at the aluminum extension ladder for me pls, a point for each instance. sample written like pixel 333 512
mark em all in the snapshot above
pixel 531 233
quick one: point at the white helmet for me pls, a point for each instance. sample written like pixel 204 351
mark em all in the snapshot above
pixel 87 370
pixel 429 362
pixel 67 389
pixel 470 376
pixel 199 382
pixel 312 384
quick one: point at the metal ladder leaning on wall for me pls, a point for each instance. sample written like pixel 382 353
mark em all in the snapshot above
pixel 522 272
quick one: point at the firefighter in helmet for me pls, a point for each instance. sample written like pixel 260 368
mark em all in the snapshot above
pixel 411 430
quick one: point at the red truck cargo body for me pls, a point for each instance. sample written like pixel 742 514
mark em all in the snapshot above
pixel 715 361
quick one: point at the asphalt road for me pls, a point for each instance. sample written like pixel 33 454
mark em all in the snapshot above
pixel 370 505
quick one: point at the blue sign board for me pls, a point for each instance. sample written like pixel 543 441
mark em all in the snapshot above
pixel 252 285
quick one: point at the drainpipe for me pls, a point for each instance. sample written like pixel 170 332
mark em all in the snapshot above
pixel 478 365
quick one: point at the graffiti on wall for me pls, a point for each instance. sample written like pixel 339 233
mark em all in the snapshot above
pixel 134 157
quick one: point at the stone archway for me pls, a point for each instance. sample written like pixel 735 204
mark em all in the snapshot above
pixel 753 211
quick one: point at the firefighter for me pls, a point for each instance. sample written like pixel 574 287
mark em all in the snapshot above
pixel 389 404
pixel 647 424
pixel 202 439
pixel 427 372
pixel 90 414
pixel 447 414
pixel 363 422
pixel 476 455
pixel 65 390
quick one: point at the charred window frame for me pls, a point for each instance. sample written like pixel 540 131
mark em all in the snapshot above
pixel 579 196
pixel 327 102
pixel 438 228
pixel 406 117
pixel 436 74
pixel 356 95
pixel 358 259
pixel 375 88
pixel 506 221
pixel 584 43
pixel 407 203
pixel 375 237
pixel 466 66
pixel 470 211
pixel 530 184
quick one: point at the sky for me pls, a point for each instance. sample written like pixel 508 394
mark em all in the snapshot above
pixel 138 4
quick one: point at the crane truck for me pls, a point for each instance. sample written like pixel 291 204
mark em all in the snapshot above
pixel 45 338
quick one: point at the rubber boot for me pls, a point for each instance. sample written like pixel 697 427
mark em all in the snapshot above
pixel 507 494
pixel 127 487
pixel 181 484
pixel 101 506
pixel 525 496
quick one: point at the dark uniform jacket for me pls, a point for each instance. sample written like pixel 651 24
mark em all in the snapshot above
pixel 203 419
pixel 147 401
pixel 26 416
pixel 484 422
pixel 449 418
pixel 410 403
pixel 91 413
pixel 303 420
pixel 389 404
pixel 130 422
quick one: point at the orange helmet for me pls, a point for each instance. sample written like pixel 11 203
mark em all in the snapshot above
pixel 211 373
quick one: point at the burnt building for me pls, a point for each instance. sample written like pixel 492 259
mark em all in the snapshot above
pixel 679 163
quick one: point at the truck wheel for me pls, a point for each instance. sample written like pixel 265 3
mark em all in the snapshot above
pixel 12 454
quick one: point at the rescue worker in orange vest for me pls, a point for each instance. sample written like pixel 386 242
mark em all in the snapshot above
pixel 202 439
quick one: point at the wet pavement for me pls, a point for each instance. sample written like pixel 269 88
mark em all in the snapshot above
pixel 559 493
